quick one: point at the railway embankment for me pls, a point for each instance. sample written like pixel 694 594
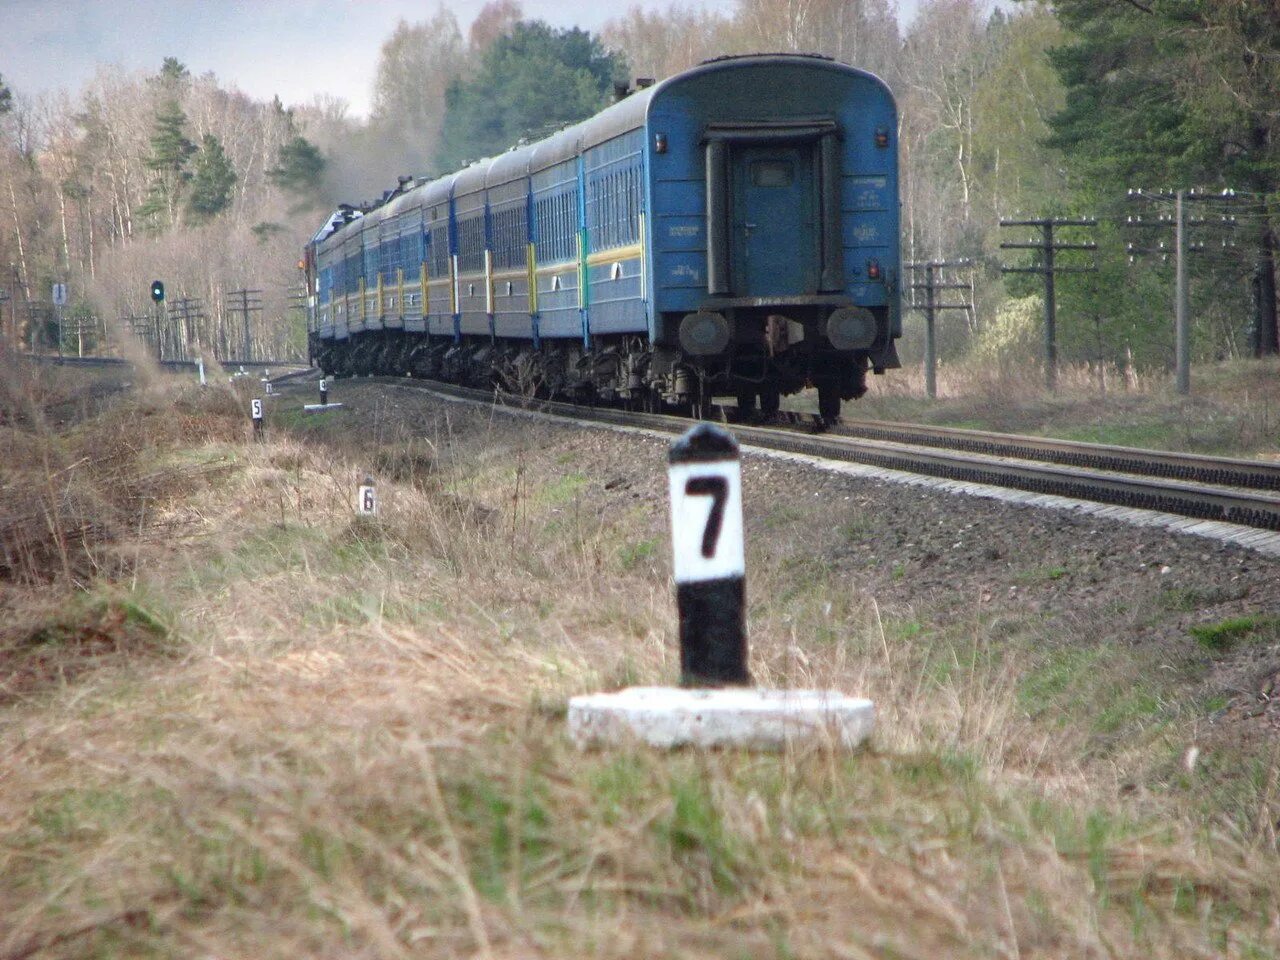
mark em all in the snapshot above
pixel 1233 408
pixel 275 727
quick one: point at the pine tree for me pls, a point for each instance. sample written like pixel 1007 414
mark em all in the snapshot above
pixel 299 168
pixel 6 98
pixel 1181 91
pixel 528 81
pixel 170 151
pixel 212 181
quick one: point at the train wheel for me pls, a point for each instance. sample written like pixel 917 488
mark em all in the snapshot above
pixel 770 401
pixel 702 406
pixel 829 401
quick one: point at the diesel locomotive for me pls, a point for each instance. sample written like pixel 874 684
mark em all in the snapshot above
pixel 732 230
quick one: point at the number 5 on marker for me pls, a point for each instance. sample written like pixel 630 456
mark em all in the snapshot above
pixel 706 520
pixel 256 408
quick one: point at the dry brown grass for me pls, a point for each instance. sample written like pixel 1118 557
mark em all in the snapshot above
pixel 1234 407
pixel 353 746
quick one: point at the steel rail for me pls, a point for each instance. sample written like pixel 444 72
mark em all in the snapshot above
pixel 1225 471
pixel 1195 500
pixel 95 361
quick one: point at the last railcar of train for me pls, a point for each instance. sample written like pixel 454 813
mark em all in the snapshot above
pixel 730 231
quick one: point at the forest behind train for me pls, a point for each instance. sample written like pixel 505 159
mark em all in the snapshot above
pixel 1020 112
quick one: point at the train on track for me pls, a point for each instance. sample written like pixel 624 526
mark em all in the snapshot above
pixel 732 230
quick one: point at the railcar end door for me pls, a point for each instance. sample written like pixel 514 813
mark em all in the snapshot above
pixel 773 221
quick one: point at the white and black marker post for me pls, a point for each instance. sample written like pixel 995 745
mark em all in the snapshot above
pixel 200 364
pixel 709 566
pixel 255 411
pixel 367 499
pixel 324 392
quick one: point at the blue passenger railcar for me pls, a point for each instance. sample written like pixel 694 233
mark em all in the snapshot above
pixel 731 230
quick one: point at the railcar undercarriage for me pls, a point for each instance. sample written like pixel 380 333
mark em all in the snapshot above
pixel 624 369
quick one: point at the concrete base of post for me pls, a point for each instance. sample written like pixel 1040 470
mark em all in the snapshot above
pixel 668 717
pixel 320 407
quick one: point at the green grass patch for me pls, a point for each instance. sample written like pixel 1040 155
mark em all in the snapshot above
pixel 1225 634
pixel 1040 574
pixel 563 489
pixel 634 555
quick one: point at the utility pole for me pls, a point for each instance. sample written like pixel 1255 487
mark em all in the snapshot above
pixel 1181 222
pixel 1048 246
pixel 183 313
pixel 250 302
pixel 1182 349
pixel 142 326
pixel 932 288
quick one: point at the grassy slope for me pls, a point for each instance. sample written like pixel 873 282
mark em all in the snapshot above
pixel 314 736
pixel 1234 408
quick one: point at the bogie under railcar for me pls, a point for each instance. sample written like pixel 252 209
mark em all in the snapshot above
pixel 732 230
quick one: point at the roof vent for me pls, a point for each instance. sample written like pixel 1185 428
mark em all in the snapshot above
pixel 643 82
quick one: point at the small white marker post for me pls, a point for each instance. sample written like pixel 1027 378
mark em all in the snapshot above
pixel 200 364
pixel 324 403
pixel 266 386
pixel 708 563
pixel 255 411
pixel 367 499
pixel 714 707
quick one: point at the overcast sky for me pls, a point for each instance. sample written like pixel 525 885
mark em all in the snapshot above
pixel 293 48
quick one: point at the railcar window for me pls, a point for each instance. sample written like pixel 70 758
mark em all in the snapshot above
pixel 771 173
pixel 510 232
pixel 471 243
pixel 439 263
pixel 387 258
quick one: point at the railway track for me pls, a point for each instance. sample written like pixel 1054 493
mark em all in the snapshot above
pixel 1219 471
pixel 69 361
pixel 1214 490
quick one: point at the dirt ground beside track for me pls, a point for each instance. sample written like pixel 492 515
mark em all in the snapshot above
pixel 285 731
pixel 943 557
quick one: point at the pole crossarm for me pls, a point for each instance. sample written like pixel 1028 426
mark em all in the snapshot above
pixel 1056 246
pixel 1051 221
pixel 936 264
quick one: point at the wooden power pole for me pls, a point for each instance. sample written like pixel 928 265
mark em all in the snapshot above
pixel 1049 246
pixel 932 289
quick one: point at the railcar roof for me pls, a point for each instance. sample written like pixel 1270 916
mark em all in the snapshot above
pixel 622 117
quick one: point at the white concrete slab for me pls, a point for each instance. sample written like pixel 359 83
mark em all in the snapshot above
pixel 320 407
pixel 669 717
